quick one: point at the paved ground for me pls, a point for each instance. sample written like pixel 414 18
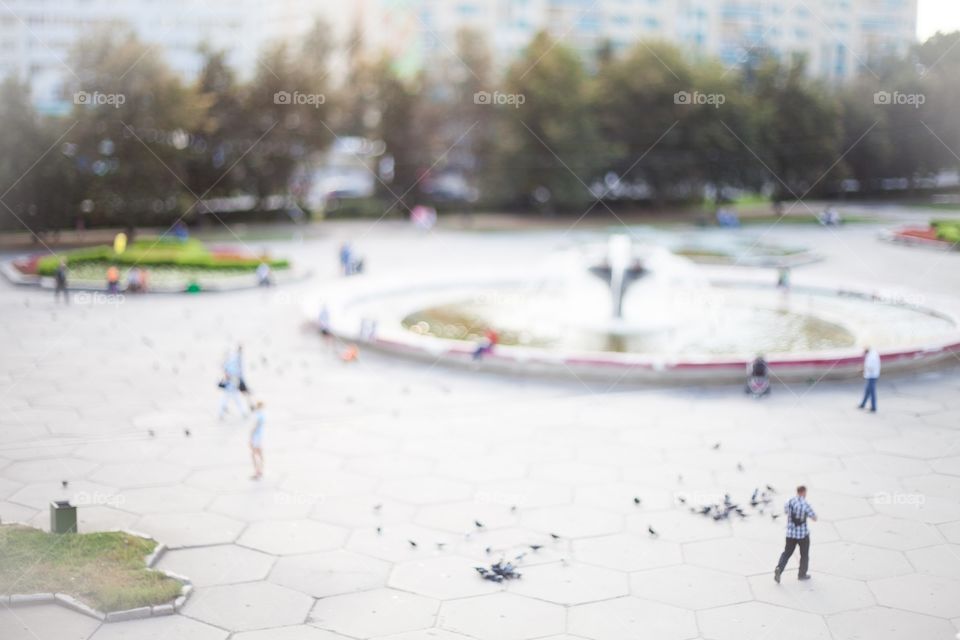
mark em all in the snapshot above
pixel 298 556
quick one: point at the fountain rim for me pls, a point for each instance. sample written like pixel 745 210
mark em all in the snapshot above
pixel 622 367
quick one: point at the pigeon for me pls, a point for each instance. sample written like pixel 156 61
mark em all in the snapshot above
pixel 716 445
pixel 412 543
pixel 652 531
pixel 151 433
pixel 379 530
pixel 513 508
pixel 186 432
pixel 637 500
pixel 681 500
pixel 771 489
pixel 520 556
pixel 536 547
pixel 377 507
pixel 739 467
pixel 478 524
pixel 554 536
pixel 64 483
pixel 481 570
pixel 441 545
pixel 774 515
pixel 488 550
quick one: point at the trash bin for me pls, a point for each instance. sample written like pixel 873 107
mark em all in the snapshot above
pixel 63 517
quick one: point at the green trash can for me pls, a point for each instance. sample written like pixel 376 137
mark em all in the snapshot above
pixel 63 517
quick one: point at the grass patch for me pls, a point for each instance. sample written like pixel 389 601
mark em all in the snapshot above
pixel 105 570
pixel 947 230
pixel 800 219
pixel 157 252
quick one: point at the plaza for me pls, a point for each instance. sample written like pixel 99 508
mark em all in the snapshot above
pixel 388 480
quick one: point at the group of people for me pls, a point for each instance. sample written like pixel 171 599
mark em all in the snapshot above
pixel 758 378
pixel 236 392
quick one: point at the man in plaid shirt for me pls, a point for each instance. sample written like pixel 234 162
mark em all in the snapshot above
pixel 797 510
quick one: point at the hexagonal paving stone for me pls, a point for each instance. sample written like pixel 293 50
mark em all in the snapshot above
pixel 573 521
pixel 260 506
pixel 951 531
pixel 443 578
pixel 736 556
pixel 941 560
pixel 243 607
pixel 631 618
pixel 361 511
pixel 678 526
pixel 823 594
pixel 122 451
pixel 427 490
pixel 330 573
pixel 298 632
pixel 435 634
pixel 142 473
pixel 289 537
pixel 690 587
pixel 570 583
pixel 161 628
pixel 502 616
pixel 919 507
pixel 887 532
pixel 857 561
pixel 619 497
pixel 49 469
pixel 627 552
pixel 880 623
pixel 459 517
pixel 759 620
pixel 573 473
pixel 225 564
pixel 523 493
pixel 393 541
pixel 40 494
pixel 45 622
pixel 190 529
pixel 932 595
pixel 10 512
pixel 389 465
pixel 374 613
pixel 165 499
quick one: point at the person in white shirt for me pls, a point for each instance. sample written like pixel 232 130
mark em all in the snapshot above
pixel 871 372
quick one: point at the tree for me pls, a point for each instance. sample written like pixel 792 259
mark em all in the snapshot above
pixel 37 190
pixel 549 147
pixel 133 117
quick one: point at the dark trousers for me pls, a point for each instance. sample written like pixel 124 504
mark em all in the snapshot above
pixel 870 393
pixel 793 543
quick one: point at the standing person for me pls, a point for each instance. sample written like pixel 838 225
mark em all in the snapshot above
pixel 230 383
pixel 798 534
pixel 238 365
pixel 60 281
pixel 113 279
pixel 256 441
pixel 346 258
pixel 871 373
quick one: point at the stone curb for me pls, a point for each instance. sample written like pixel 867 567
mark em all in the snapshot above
pixel 138 613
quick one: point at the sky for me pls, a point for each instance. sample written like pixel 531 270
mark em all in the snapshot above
pixel 937 15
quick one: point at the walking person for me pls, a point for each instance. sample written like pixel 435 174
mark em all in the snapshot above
pixel 113 279
pixel 230 383
pixel 60 283
pixel 871 373
pixel 256 441
pixel 798 533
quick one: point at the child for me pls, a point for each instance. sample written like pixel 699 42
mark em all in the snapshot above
pixel 256 441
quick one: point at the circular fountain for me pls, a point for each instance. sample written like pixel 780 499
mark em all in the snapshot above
pixel 623 311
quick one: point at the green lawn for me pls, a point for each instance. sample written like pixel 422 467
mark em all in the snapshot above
pixel 104 570
pixel 152 253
